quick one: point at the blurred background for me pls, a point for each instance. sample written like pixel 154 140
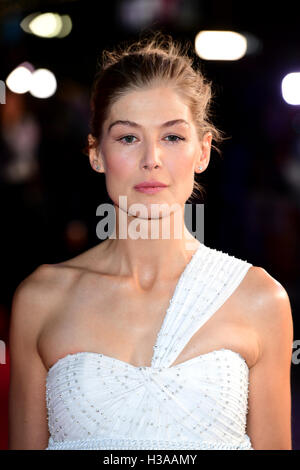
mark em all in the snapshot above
pixel 49 193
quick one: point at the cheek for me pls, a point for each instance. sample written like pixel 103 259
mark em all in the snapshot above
pixel 183 165
pixel 118 167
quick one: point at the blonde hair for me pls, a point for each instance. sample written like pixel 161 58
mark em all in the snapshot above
pixel 155 58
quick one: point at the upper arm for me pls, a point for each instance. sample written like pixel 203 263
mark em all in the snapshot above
pixel 28 426
pixel 269 401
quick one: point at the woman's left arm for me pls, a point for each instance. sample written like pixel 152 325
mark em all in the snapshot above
pixel 269 401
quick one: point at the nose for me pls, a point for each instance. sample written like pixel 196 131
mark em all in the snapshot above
pixel 151 158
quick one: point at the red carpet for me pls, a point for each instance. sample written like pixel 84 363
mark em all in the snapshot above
pixel 4 386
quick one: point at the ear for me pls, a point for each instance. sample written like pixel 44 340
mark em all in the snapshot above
pixel 205 148
pixel 95 155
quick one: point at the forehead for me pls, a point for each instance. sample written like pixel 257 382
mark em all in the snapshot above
pixel 155 104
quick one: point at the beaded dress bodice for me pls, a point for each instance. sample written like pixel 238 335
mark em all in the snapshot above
pixel 98 402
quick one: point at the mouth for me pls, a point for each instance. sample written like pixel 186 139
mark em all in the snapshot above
pixel 151 184
pixel 149 189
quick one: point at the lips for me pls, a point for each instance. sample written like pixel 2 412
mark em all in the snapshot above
pixel 150 184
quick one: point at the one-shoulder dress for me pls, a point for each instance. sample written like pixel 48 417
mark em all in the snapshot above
pixel 96 402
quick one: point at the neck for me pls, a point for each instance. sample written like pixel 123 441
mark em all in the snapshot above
pixel 151 249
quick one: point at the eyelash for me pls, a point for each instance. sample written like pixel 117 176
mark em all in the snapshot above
pixel 170 135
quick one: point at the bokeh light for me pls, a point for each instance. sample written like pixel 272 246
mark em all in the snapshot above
pixel 220 45
pixel 66 27
pixel 43 83
pixel 290 87
pixel 47 25
pixel 19 80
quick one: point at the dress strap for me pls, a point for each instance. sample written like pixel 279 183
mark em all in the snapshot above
pixel 203 289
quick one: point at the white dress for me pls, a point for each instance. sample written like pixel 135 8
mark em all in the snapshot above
pixel 98 402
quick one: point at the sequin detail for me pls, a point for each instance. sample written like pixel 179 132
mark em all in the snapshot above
pixel 139 444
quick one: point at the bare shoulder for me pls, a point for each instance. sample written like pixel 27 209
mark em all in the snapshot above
pixel 34 300
pixel 269 416
pixel 267 294
pixel 49 281
pixel 268 305
pixel 38 295
pixel 43 283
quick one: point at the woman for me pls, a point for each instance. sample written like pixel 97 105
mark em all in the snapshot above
pixel 151 342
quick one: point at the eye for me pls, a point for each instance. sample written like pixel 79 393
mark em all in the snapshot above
pixel 126 137
pixel 176 137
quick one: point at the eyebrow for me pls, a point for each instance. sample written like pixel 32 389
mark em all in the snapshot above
pixel 134 124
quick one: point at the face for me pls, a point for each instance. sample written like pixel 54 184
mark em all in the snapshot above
pixel 157 140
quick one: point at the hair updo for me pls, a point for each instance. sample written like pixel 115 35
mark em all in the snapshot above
pixel 155 59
